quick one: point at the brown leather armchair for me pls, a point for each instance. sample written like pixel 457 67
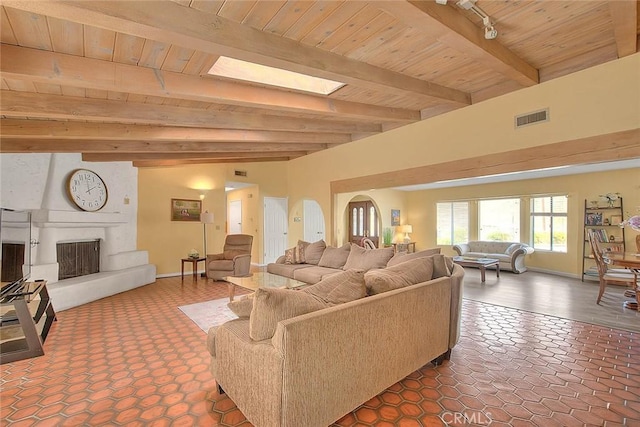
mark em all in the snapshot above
pixel 235 260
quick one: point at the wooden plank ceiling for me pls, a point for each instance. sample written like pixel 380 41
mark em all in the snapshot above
pixel 127 80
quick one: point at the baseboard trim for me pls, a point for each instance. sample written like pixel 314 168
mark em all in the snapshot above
pixel 554 272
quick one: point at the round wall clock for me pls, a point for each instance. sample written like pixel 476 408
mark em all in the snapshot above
pixel 87 190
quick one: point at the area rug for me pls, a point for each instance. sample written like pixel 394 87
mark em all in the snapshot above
pixel 208 313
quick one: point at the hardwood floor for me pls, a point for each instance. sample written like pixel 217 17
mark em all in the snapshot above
pixel 553 295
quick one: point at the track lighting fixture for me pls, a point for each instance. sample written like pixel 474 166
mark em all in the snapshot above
pixel 490 32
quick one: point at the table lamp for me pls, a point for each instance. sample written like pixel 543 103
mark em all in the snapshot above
pixel 406 229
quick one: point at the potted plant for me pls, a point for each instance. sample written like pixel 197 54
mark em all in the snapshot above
pixel 387 236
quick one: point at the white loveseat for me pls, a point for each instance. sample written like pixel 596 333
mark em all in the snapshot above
pixel 511 254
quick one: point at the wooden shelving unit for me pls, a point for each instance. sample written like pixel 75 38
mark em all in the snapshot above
pixel 604 220
pixel 26 317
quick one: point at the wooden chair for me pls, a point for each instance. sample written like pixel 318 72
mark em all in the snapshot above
pixel 630 278
pixel 368 243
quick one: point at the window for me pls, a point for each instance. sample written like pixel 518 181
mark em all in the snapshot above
pixel 549 223
pixel 499 220
pixel 452 223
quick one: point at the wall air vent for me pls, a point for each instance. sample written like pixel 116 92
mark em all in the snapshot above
pixel 532 118
pixel 240 173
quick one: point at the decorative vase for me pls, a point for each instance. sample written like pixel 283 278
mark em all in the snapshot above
pixel 193 254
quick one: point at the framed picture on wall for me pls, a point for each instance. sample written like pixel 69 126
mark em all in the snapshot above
pixel 616 219
pixel 395 217
pixel 186 210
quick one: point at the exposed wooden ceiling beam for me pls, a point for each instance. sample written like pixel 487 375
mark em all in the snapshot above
pixel 37 105
pixel 12 145
pixel 124 157
pixel 170 22
pixel 166 163
pixel 454 30
pixel 69 70
pixel 624 14
pixel 593 149
pixel 52 129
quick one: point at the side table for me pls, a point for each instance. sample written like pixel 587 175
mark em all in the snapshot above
pixel 402 247
pixel 194 266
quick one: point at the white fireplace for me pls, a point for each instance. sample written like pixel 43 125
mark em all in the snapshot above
pixel 36 182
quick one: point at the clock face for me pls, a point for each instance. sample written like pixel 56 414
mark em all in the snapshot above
pixel 87 190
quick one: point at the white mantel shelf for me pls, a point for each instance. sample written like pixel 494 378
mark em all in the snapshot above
pixel 76 219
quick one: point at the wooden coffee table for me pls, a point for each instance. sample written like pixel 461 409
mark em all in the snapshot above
pixel 481 263
pixel 261 280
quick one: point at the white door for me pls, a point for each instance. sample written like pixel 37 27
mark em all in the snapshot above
pixel 275 228
pixel 234 216
pixel 313 221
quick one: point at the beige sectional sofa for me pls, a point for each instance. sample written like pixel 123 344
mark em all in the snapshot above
pixel 335 348
pixel 321 261
pixel 510 254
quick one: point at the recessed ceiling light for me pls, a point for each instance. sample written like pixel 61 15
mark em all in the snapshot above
pixel 256 73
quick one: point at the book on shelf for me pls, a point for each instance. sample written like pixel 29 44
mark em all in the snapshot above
pixel 614 248
pixel 600 234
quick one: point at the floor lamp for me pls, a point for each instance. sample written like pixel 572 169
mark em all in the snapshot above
pixel 206 218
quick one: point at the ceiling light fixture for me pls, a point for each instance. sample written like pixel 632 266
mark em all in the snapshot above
pixel 490 32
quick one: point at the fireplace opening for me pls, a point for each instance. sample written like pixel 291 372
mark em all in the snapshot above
pixel 78 258
pixel 12 260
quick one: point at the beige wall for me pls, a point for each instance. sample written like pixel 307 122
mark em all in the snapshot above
pixel 251 214
pixel 168 241
pixel 596 101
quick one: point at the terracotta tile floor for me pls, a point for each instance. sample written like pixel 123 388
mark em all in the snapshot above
pixel 135 359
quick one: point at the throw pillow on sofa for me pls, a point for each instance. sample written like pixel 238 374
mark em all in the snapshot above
pixel 442 266
pixel 334 257
pixel 404 256
pixel 271 305
pixel 398 276
pixel 242 307
pixel 367 259
pixel 295 255
pixel 340 288
pixel 313 251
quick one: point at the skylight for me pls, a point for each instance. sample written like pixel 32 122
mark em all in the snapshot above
pixel 236 69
